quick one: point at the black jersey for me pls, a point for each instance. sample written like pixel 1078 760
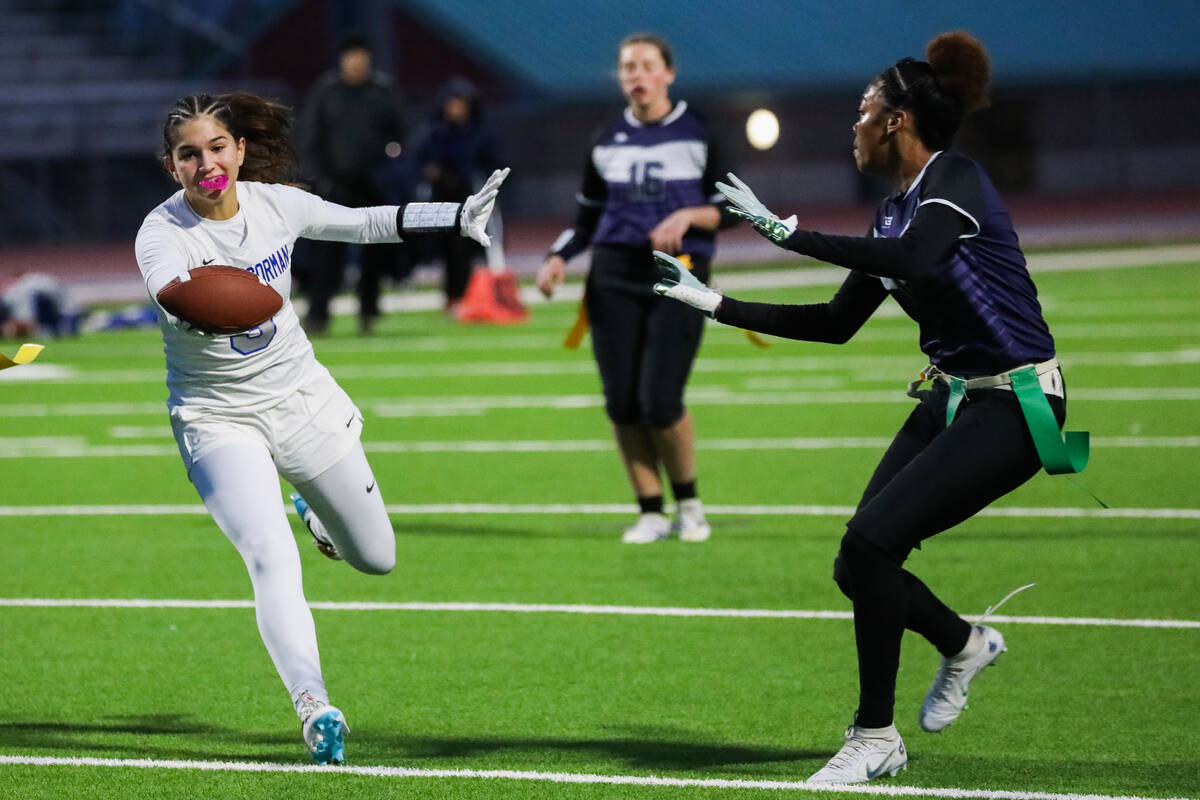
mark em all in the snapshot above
pixel 947 251
pixel 977 308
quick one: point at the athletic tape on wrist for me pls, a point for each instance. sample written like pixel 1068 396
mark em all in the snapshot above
pixel 428 217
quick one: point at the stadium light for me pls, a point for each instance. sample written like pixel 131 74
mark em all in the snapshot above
pixel 762 129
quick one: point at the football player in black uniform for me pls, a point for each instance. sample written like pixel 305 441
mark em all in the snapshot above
pixel 944 246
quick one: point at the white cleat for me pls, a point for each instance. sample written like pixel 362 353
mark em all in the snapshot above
pixel 868 753
pixel 690 523
pixel 324 730
pixel 650 527
pixel 947 697
pixel 320 535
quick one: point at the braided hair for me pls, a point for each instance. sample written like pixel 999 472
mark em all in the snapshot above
pixel 265 124
pixel 940 91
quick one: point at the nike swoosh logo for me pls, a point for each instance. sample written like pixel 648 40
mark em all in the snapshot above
pixel 371 488
pixel 207 261
pixel 349 421
pixel 877 770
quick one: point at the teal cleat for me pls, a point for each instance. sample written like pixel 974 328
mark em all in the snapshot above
pixel 324 733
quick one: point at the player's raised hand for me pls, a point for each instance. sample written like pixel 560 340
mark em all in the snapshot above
pixel 680 284
pixel 747 206
pixel 477 208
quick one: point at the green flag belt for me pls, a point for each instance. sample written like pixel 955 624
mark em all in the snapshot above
pixel 1058 455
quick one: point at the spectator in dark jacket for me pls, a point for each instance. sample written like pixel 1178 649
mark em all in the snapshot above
pixel 454 153
pixel 351 131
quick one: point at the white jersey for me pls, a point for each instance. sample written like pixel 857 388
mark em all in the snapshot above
pixel 257 369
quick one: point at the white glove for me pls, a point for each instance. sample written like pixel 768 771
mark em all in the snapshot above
pixel 680 284
pixel 478 207
pixel 748 207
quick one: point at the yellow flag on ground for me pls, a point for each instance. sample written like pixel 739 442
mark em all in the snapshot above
pixel 26 353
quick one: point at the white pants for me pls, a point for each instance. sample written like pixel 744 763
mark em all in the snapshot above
pixel 239 484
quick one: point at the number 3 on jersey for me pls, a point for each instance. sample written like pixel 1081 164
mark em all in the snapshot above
pixel 645 185
pixel 254 339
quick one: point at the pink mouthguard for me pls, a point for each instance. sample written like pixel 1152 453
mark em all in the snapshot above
pixel 219 183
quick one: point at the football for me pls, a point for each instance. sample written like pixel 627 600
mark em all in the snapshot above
pixel 220 299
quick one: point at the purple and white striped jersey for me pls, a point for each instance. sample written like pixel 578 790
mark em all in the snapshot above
pixel 638 174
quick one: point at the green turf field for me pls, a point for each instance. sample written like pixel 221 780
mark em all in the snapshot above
pixel 520 650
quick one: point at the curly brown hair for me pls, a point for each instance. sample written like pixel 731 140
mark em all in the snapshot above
pixel 962 67
pixel 940 91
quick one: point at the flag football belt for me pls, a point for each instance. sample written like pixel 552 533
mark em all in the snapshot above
pixel 1058 455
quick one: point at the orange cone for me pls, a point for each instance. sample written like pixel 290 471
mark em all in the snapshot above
pixel 492 297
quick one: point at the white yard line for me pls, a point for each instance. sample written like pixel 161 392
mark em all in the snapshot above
pixel 576 366
pixel 1051 512
pixel 720 396
pixel 460 405
pixel 560 608
pixel 813 273
pixel 77 446
pixel 884 789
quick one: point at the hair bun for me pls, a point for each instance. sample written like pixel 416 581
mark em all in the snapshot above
pixel 961 66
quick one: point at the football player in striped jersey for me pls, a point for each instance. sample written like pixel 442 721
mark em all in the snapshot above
pixel 649 183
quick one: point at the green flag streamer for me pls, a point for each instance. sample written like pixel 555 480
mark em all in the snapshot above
pixel 1058 455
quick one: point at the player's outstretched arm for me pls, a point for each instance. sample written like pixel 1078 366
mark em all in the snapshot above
pixel 747 206
pixel 469 217
pixel 680 284
pixel 477 208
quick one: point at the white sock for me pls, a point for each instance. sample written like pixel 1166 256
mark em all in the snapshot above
pixel 889 732
pixel 319 694
pixel 973 645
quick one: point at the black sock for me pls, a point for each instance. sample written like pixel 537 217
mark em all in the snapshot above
pixel 684 491
pixel 651 505
pixel 930 617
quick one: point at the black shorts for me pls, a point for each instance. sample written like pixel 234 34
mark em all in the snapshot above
pixel 644 344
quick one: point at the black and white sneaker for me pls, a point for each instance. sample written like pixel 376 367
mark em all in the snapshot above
pixel 947 697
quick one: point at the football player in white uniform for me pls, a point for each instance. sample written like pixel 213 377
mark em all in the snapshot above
pixel 250 407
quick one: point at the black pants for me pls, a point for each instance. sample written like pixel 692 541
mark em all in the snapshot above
pixel 376 262
pixel 459 253
pixel 644 344
pixel 931 478
pixel 328 260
